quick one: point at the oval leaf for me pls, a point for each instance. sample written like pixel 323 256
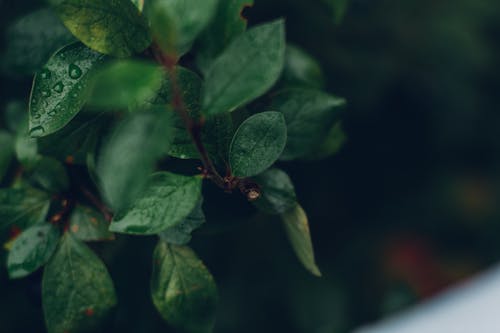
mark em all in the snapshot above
pixel 88 225
pixel 77 291
pixel 59 89
pixel 257 143
pixel 246 69
pixel 297 229
pixel 165 202
pixel 32 249
pixel 110 27
pixel 278 193
pixel 22 207
pixel 182 288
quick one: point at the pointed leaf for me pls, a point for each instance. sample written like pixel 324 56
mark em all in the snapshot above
pixel 77 291
pixel 309 115
pixel 257 143
pixel 165 202
pixel 278 193
pixel 246 69
pixel 31 250
pixel 60 88
pixel 182 288
pixel 181 233
pixel 110 27
pixel 130 154
pixel 297 229
pixel 88 225
pixel 22 207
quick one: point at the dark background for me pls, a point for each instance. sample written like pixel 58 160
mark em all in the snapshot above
pixel 407 207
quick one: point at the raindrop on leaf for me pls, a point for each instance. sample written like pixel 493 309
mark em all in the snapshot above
pixel 75 72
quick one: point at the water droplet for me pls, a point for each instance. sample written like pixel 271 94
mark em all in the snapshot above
pixel 46 93
pixel 74 71
pixel 58 87
pixel 52 113
pixel 37 116
pixel 37 131
pixel 45 74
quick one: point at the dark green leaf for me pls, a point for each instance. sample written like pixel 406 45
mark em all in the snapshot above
pixel 60 88
pixel 165 202
pixel 110 27
pixel 335 139
pixel 183 290
pixel 278 193
pixel 6 152
pixel 181 233
pixel 50 175
pixel 227 24
pixel 87 224
pixel 130 153
pixel 257 143
pixel 301 69
pixel 309 115
pixel 125 84
pixel 77 291
pixel 177 23
pixel 246 69
pixel 297 229
pixel 32 40
pixel 22 207
pixel 31 250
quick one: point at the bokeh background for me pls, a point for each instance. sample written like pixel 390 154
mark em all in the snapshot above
pixel 408 206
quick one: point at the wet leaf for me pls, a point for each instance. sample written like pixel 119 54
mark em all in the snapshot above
pixel 181 233
pixel 87 224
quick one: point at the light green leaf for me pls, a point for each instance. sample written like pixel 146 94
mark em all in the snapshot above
pixel 22 207
pixel 183 290
pixel 6 152
pixel 165 202
pixel 110 27
pixel 181 233
pixel 227 24
pixel 248 67
pixel 32 40
pixel 125 84
pixel 130 153
pixel 278 193
pixel 257 143
pixel 309 115
pixel 334 141
pixel 31 250
pixel 301 69
pixel 60 88
pixel 177 23
pixel 77 291
pixel 297 229
pixel 87 224
pixel 50 175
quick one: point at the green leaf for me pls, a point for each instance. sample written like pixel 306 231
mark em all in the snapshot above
pixel 227 24
pixel 60 88
pixel 139 4
pixel 26 150
pixel 16 115
pixel 246 69
pixel 297 229
pixel 181 233
pixel 177 23
pixel 130 153
pixel 6 152
pixel 77 291
pixel 278 193
pixel 110 27
pixel 22 207
pixel 165 202
pixel 334 141
pixel 50 175
pixel 257 143
pixel 301 69
pixel 32 40
pixel 309 115
pixel 125 84
pixel 31 250
pixel 183 290
pixel 87 224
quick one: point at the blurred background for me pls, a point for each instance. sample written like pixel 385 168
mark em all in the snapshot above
pixel 408 207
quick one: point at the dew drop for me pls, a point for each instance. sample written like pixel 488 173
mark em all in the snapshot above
pixel 37 131
pixel 36 116
pixel 74 71
pixel 52 113
pixel 45 74
pixel 46 93
pixel 58 87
